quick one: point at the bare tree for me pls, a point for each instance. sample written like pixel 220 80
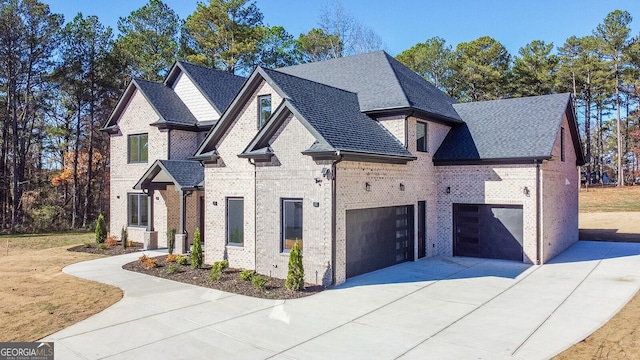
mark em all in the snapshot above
pixel 350 37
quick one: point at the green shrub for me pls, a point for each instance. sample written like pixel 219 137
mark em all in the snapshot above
pixel 182 260
pixel 173 269
pixel 171 239
pixel 86 244
pixel 216 269
pixel 295 274
pixel 102 246
pixel 259 282
pixel 124 237
pixel 196 254
pixel 101 230
pixel 246 275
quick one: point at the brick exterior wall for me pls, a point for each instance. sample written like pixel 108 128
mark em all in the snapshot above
pixel 396 125
pixel 486 184
pixel 193 98
pixel 293 175
pixel 135 119
pixel 232 176
pixel 560 183
pixel 419 178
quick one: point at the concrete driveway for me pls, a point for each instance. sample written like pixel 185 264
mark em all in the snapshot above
pixel 438 308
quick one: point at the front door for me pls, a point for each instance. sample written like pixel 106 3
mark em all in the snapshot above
pixel 201 218
pixel 422 229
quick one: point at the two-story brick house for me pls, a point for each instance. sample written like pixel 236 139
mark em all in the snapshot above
pixel 366 165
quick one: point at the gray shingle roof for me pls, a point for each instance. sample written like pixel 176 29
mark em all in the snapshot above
pixel 336 115
pixel 187 173
pixel 518 128
pixel 165 101
pixel 219 87
pixel 381 82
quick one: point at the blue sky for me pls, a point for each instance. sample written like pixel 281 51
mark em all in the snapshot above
pixel 403 23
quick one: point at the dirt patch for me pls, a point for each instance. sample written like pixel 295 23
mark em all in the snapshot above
pixel 37 298
pixel 108 251
pixel 229 282
pixel 611 226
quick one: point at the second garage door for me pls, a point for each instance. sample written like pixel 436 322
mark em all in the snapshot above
pixel 488 231
pixel 379 237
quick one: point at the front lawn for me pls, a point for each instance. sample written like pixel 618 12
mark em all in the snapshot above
pixel 37 298
pixel 609 199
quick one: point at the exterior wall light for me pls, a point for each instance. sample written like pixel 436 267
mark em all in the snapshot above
pixel 526 191
pixel 401 187
pixel 448 191
pixel 215 203
pixel 367 186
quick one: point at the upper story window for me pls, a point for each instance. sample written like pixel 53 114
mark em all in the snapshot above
pixel 421 137
pixel 562 155
pixel 264 110
pixel 138 148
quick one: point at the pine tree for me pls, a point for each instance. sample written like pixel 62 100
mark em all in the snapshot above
pixel 295 275
pixel 123 237
pixel 101 230
pixel 196 254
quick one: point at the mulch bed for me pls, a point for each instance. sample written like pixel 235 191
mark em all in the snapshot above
pixel 229 282
pixel 109 251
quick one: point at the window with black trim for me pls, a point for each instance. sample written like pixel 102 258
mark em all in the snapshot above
pixel 264 110
pixel 138 207
pixel 421 137
pixel 138 148
pixel 562 152
pixel 291 223
pixel 235 221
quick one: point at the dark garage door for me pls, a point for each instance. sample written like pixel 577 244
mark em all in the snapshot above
pixel 379 237
pixel 488 231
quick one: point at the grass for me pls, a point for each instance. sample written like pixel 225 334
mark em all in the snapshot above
pixel 37 298
pixel 610 199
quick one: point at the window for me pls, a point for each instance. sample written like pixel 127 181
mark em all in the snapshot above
pixel 138 148
pixel 264 110
pixel 421 137
pixel 291 223
pixel 138 210
pixel 235 221
pixel 561 144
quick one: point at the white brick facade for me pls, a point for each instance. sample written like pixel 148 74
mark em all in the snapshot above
pixel 194 99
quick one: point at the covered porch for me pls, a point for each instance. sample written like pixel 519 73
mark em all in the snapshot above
pixel 175 195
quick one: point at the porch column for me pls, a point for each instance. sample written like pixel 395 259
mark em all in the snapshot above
pixel 181 243
pixel 150 236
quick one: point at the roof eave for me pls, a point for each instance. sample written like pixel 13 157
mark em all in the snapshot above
pixel 410 111
pixel 492 161
pixel 359 156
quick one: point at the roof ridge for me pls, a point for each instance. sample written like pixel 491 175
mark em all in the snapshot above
pixel 513 98
pixel 395 75
pixel 315 82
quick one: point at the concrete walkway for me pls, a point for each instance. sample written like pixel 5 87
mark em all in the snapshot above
pixel 438 308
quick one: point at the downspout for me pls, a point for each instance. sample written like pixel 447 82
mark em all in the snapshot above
pixel 333 216
pixel 538 211
pixel 169 145
pixel 255 215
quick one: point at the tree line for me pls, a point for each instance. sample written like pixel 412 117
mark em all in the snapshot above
pixel 59 81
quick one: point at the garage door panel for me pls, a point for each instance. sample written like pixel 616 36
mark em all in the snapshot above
pixel 378 237
pixel 488 231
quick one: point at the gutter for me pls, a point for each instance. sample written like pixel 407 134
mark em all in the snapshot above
pixel 538 220
pixel 333 216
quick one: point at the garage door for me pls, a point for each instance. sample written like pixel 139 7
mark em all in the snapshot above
pixel 488 231
pixel 379 237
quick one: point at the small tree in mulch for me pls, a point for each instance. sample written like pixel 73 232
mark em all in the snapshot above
pixel 171 239
pixel 124 237
pixel 196 254
pixel 295 275
pixel 101 230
